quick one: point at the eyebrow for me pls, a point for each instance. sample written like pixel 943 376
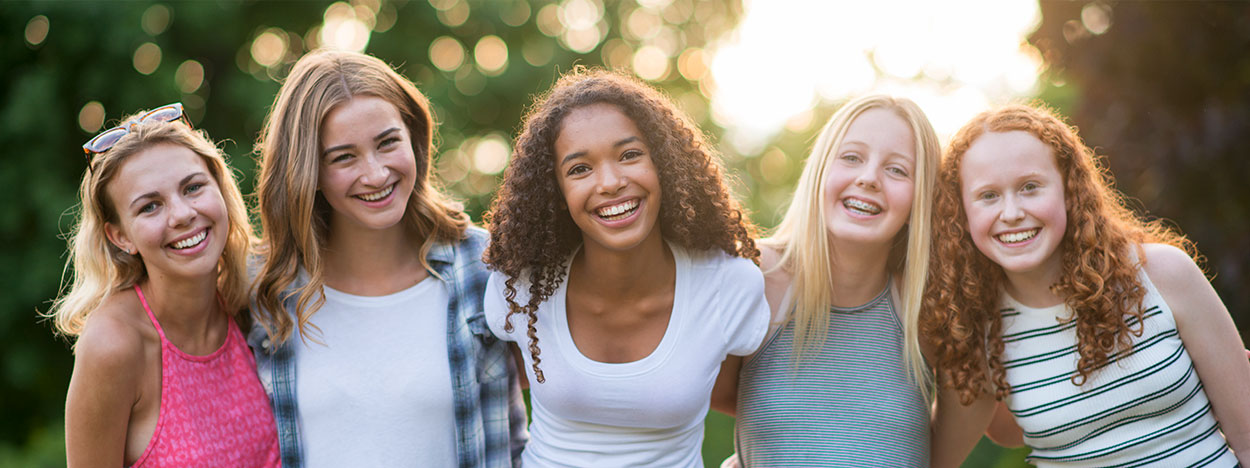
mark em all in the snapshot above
pixel 380 136
pixel 623 142
pixel 154 194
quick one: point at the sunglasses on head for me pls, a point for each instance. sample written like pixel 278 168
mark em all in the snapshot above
pixel 110 137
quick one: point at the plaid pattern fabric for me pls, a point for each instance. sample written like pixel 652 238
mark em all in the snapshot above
pixel 490 414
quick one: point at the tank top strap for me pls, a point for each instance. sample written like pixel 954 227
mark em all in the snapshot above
pixel 143 300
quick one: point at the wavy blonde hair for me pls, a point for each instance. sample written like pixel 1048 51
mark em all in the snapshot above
pixel 962 323
pixel 100 268
pixel 803 240
pixel 294 216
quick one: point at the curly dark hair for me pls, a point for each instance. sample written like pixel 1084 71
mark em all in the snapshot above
pixel 962 323
pixel 532 233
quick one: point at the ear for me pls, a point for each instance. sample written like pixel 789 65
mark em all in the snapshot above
pixel 119 239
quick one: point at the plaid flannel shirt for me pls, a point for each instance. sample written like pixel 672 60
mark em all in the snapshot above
pixel 489 411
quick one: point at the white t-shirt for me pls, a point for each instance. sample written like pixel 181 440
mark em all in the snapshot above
pixel 378 392
pixel 643 413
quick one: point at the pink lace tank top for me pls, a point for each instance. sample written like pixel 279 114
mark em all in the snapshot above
pixel 213 410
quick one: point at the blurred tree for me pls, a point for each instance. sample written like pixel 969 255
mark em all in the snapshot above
pixel 1162 89
pixel 74 68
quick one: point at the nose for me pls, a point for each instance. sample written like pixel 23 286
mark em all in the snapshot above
pixel 868 179
pixel 611 179
pixel 374 171
pixel 181 213
pixel 1012 212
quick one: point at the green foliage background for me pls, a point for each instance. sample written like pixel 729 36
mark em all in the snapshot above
pixel 1164 92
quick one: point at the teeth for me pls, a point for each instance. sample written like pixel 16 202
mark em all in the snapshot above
pixel 1014 237
pixel 191 241
pixel 377 195
pixel 861 206
pixel 618 209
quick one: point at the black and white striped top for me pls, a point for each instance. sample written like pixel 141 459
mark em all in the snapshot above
pixel 1146 407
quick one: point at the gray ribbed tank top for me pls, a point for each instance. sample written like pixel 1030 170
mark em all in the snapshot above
pixel 849 404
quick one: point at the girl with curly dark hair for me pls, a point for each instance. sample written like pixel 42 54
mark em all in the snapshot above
pixel 624 264
pixel 1098 330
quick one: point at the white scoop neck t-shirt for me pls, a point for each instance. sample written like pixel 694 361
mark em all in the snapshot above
pixel 647 412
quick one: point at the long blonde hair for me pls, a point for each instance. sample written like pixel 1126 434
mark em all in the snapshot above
pixel 803 239
pixel 294 217
pixel 100 268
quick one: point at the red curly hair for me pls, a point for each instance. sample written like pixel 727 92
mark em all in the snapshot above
pixel 532 234
pixel 961 324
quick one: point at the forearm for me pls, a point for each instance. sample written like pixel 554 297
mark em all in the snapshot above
pixel 956 428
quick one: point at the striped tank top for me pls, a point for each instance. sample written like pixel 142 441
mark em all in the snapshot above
pixel 1146 407
pixel 851 403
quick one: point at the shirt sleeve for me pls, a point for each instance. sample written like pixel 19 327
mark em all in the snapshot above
pixel 496 306
pixel 746 312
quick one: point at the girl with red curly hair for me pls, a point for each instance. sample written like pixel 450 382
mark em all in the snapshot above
pixel 1097 329
pixel 623 262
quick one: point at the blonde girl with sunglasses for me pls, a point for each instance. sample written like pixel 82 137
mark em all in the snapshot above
pixel 162 374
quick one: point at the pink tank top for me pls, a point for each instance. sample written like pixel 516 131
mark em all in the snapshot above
pixel 213 410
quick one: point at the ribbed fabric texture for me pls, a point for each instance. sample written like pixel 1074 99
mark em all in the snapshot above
pixel 850 404
pixel 1144 408
pixel 213 409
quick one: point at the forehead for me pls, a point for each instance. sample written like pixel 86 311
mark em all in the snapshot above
pixel 592 125
pixel 1006 153
pixel 157 168
pixel 883 129
pixel 361 115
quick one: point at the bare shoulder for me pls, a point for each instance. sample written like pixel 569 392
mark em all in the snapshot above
pixel 116 336
pixel 1181 283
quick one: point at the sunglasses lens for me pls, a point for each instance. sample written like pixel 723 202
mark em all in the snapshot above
pixel 164 114
pixel 106 140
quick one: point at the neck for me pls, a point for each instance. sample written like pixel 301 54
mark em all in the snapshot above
pixel 372 262
pixel 1033 288
pixel 859 273
pixel 185 307
pixel 614 273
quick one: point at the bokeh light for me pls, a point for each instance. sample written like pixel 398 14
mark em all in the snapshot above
pixel 446 53
pixel 37 30
pixel 517 14
pixel 1096 17
pixel 147 58
pixel 491 55
pixel 548 21
pixel 581 21
pixel 455 15
pixel 156 19
pixel 537 52
pixel 490 154
pixel 269 47
pixel 91 117
pixel 650 63
pixel 343 29
pixel 966 55
pixel 189 76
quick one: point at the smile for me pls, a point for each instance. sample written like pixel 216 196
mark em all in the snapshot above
pixel 861 207
pixel 1017 237
pixel 378 195
pixel 618 211
pixel 190 241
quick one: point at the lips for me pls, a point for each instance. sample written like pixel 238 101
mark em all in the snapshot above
pixel 861 206
pixel 1017 236
pixel 378 195
pixel 190 241
pixel 618 211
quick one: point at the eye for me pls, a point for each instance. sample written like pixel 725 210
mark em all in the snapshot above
pixel 147 208
pixel 631 154
pixel 340 157
pixel 987 196
pixel 577 169
pixel 389 142
pixel 850 157
pixel 1029 186
pixel 897 170
pixel 193 187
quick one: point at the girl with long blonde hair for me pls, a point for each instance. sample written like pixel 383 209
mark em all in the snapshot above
pixel 159 280
pixel 1096 328
pixel 370 335
pixel 840 379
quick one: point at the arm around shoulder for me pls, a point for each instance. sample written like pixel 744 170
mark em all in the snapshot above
pixel 1210 338
pixel 103 389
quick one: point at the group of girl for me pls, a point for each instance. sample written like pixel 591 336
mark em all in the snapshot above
pixel 901 297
